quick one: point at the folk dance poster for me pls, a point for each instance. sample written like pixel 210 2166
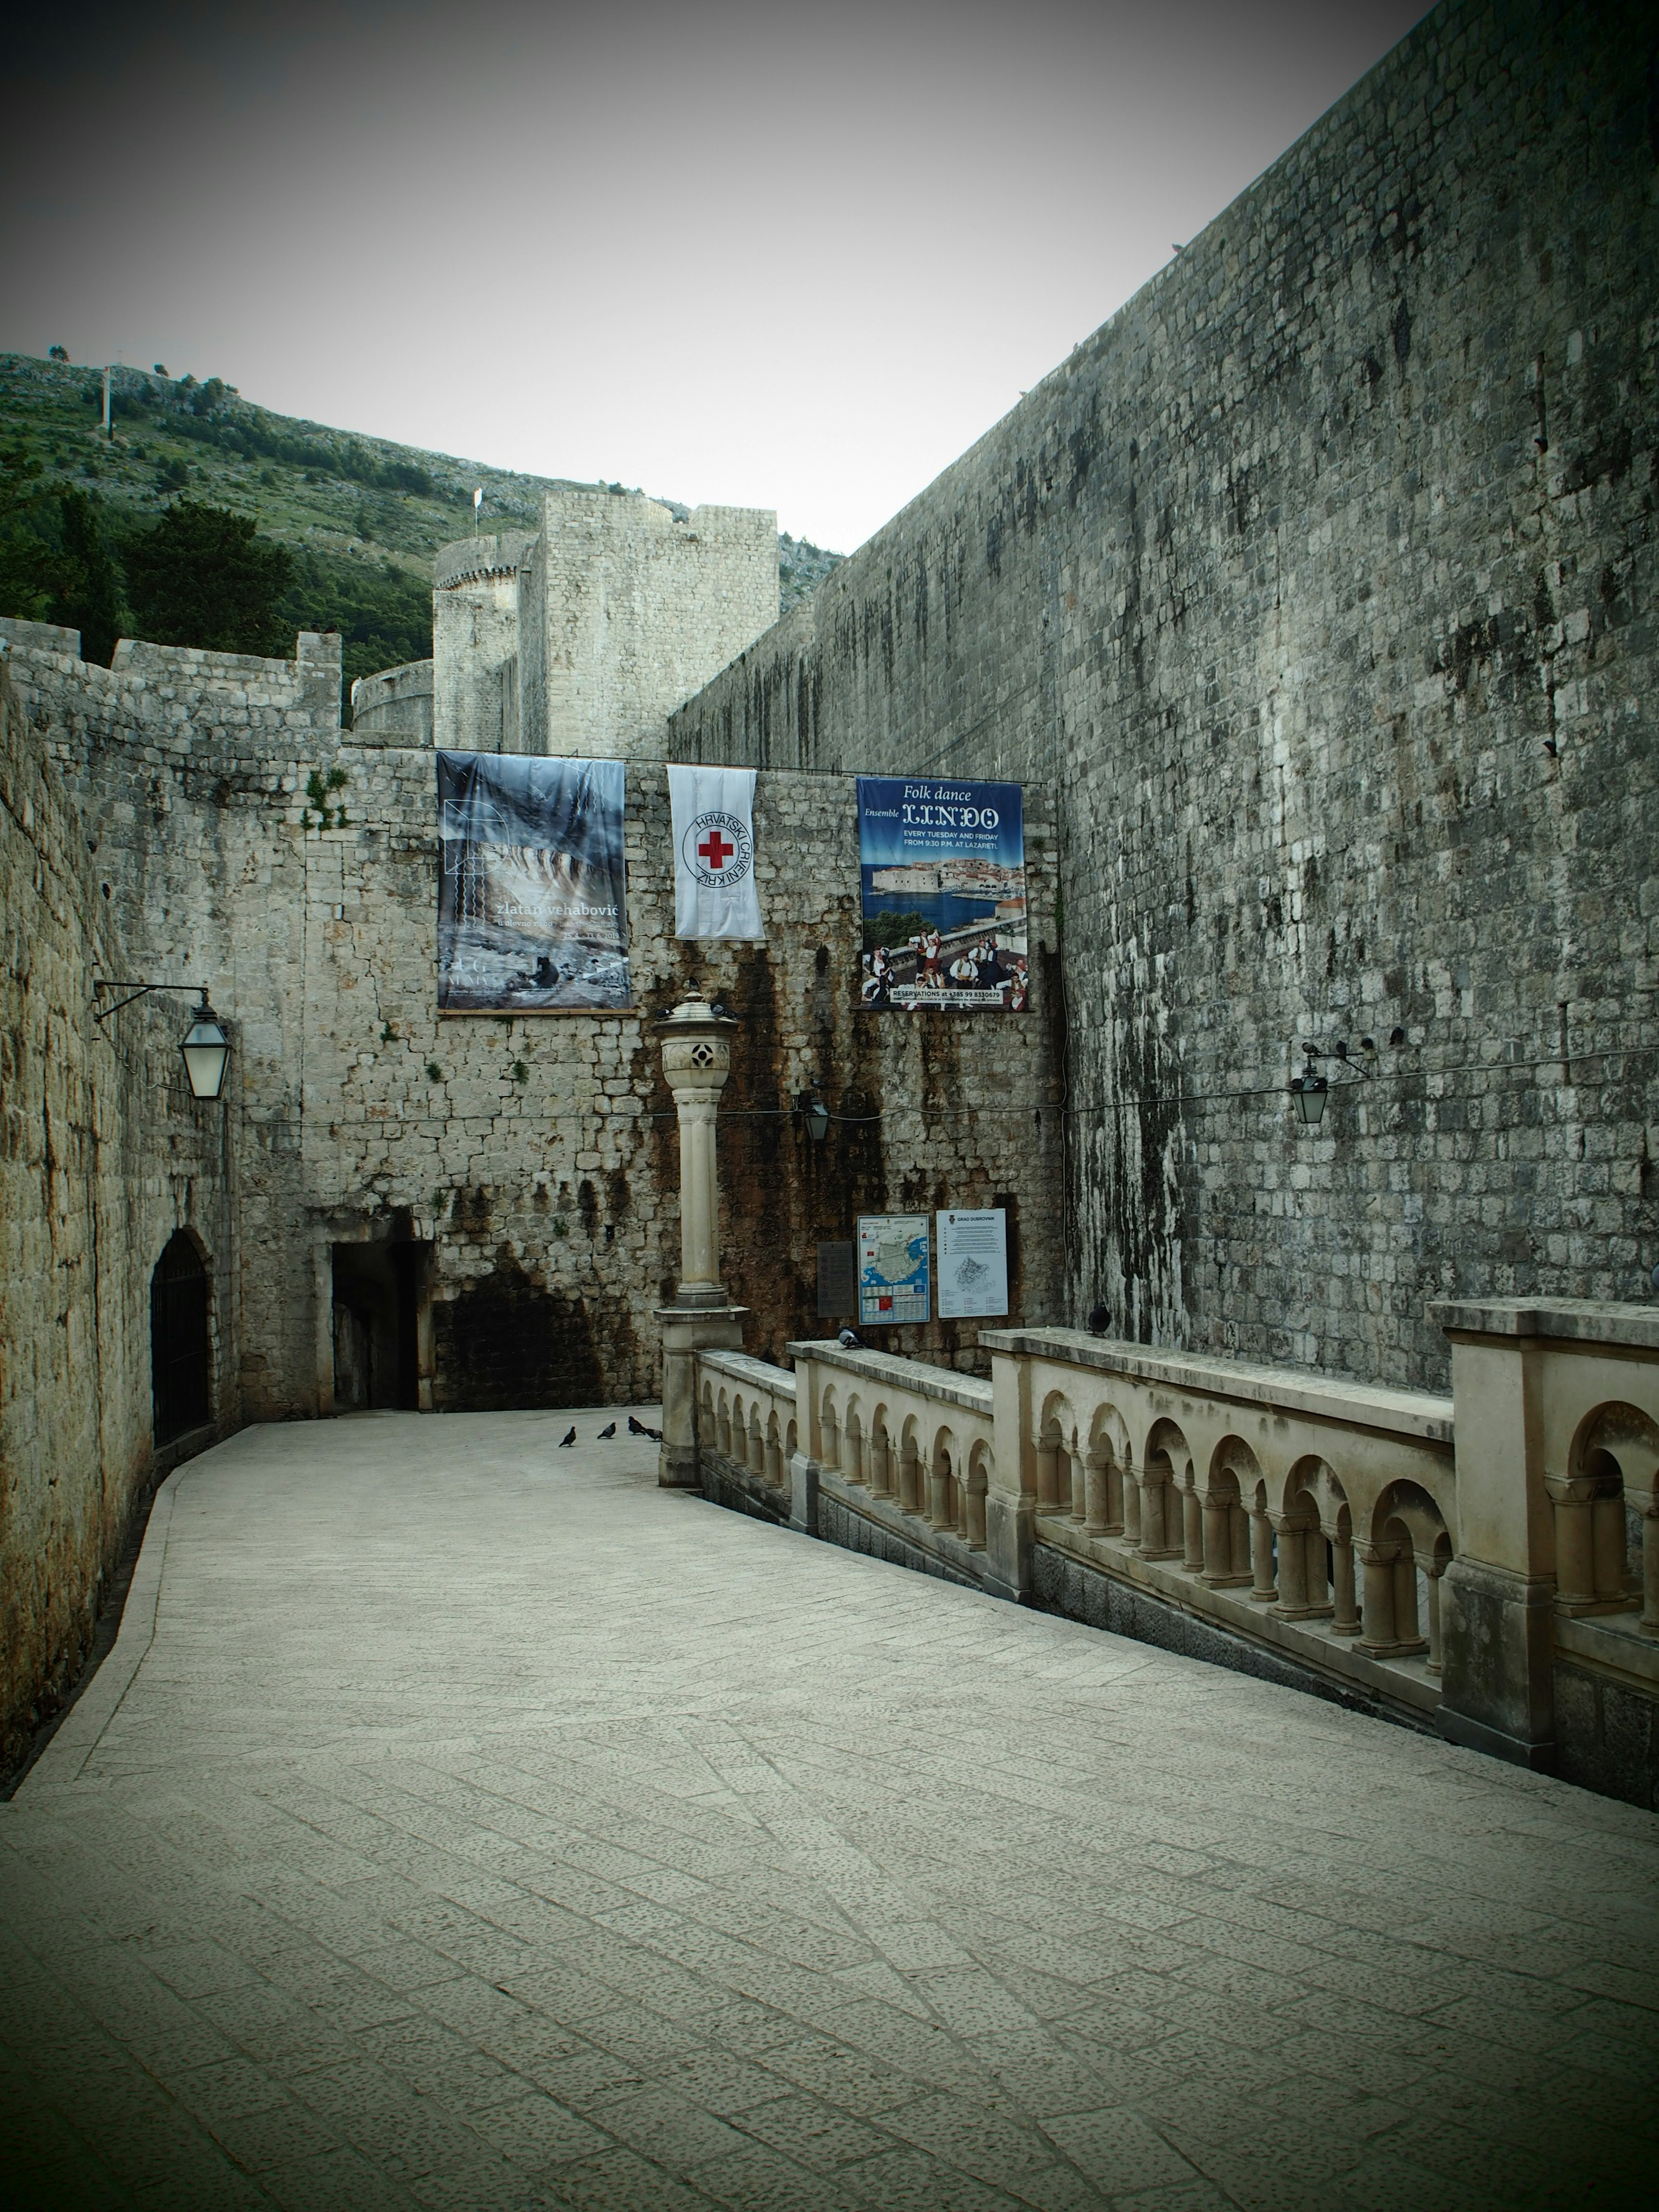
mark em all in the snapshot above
pixel 532 912
pixel 942 866
pixel 715 894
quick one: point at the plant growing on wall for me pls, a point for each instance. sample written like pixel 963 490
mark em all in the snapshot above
pixel 319 789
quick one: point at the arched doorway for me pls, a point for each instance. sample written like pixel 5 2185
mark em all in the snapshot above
pixel 179 1347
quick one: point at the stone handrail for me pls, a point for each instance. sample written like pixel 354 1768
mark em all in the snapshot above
pixel 1457 1560
pixel 905 1445
pixel 746 1413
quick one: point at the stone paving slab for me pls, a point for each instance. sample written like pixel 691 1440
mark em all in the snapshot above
pixel 463 1822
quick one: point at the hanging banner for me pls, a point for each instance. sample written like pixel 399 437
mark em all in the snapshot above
pixel 892 1260
pixel 533 913
pixel 942 868
pixel 973 1263
pixel 715 893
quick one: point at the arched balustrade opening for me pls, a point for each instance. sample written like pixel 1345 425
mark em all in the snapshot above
pixel 853 1444
pixel 881 1454
pixel 1160 1497
pixel 1108 1457
pixel 941 1484
pixel 910 1477
pixel 1606 1505
pixel 1226 1524
pixel 1402 1563
pixel 979 1466
pixel 830 1432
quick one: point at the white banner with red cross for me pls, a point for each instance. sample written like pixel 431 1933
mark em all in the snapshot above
pixel 715 892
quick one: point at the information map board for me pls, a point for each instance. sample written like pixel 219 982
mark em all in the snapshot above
pixel 973 1263
pixel 893 1272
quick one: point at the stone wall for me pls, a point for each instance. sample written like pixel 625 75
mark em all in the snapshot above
pixel 1320 581
pixel 105 1155
pixel 535 1157
pixel 394 706
pixel 626 607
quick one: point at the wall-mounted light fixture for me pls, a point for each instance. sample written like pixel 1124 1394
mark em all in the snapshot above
pixel 1310 1089
pixel 816 1114
pixel 204 1045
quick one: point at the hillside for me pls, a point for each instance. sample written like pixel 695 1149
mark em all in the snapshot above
pixel 361 516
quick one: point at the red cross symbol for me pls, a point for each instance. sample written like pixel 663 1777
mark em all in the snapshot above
pixel 715 850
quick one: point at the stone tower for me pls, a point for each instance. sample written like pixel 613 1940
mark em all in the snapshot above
pixel 583 639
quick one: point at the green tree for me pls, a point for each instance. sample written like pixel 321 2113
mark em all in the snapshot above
pixel 203 577
pixel 55 566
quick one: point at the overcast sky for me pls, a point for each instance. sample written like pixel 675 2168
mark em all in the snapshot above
pixel 768 256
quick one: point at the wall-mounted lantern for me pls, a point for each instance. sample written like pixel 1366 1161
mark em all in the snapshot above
pixel 1308 1092
pixel 204 1045
pixel 816 1114
pixel 1310 1089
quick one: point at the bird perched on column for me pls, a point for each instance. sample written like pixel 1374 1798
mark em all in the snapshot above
pixel 849 1341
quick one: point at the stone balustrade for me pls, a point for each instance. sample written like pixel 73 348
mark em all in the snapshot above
pixel 746 1432
pixel 1323 1531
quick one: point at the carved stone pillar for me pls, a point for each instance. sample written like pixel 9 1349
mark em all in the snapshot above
pixel 1347 1622
pixel 696 1059
pixel 1262 1591
pixel 1192 1531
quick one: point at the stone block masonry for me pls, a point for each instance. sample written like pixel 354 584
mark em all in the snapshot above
pixel 1320 582
pixel 104 1156
pixel 531 1163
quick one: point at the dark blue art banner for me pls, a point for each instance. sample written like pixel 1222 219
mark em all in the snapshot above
pixel 532 903
pixel 942 870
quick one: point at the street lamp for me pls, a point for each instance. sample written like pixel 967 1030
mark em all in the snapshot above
pixel 816 1114
pixel 1308 1092
pixel 206 1046
pixel 206 1049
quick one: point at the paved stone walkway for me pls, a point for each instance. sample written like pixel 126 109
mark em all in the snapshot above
pixel 462 1822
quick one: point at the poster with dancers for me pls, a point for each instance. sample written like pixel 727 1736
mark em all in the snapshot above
pixel 942 870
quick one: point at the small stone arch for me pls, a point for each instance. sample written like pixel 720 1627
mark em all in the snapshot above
pixel 942 1483
pixel 881 1454
pixel 1162 1466
pixel 981 1465
pixel 1408 1540
pixel 723 1426
pixel 1105 1473
pixel 853 1442
pixel 1302 1553
pixel 1613 1473
pixel 910 1477
pixel 829 1429
pixel 774 1448
pixel 1057 1455
pixel 1233 1476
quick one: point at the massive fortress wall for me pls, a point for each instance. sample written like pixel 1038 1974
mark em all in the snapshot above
pixel 105 1155
pixel 1320 582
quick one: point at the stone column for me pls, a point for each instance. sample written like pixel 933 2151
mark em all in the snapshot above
pixel 696 1059
pixel 1262 1590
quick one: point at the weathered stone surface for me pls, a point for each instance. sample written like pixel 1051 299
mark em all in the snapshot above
pixel 1320 581
pixel 104 1154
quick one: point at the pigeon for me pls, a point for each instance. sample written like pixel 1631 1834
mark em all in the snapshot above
pixel 611 1431
pixel 1100 1322
pixel 570 1439
pixel 638 1429
pixel 848 1341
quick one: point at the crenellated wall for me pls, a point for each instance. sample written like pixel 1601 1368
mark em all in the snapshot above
pixel 1320 582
